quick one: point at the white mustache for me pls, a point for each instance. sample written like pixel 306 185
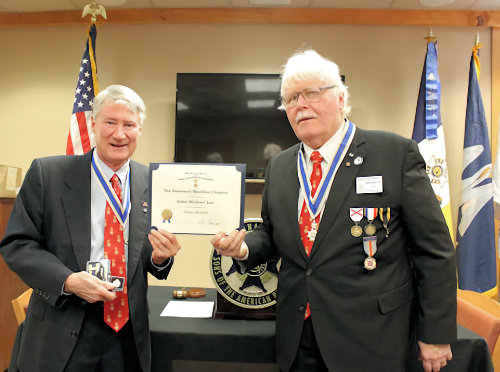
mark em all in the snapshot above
pixel 301 115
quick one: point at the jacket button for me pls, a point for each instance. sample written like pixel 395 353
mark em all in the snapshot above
pixel 309 272
pixel 74 334
pixel 301 308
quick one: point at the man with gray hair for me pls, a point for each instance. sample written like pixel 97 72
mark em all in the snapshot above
pixel 367 263
pixel 81 215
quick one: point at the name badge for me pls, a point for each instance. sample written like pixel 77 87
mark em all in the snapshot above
pixel 369 185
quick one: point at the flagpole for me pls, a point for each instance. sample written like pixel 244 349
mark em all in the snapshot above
pixel 94 9
pixel 80 137
pixel 430 37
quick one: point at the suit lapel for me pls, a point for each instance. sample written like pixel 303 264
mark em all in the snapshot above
pixel 76 204
pixel 137 220
pixel 342 185
pixel 291 192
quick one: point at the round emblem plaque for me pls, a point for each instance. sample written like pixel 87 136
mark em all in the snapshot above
pixel 256 289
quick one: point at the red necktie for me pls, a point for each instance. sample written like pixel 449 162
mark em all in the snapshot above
pixel 309 226
pixel 116 311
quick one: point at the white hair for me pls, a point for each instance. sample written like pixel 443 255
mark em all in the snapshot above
pixel 309 65
pixel 122 95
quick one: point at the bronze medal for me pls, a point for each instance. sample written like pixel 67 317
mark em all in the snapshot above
pixel 356 231
pixel 370 229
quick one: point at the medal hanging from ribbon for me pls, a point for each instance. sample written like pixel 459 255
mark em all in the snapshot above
pixel 385 217
pixel 121 211
pixel 356 215
pixel 371 214
pixel 315 204
pixel 370 247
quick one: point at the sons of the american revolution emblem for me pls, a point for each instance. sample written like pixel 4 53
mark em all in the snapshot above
pixel 255 289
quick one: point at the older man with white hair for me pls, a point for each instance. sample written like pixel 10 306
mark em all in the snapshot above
pixel 367 263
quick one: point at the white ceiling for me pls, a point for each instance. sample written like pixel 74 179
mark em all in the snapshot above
pixel 51 5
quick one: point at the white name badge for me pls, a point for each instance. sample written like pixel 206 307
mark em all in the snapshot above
pixel 369 185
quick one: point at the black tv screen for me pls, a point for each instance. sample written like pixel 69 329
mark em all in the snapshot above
pixel 230 118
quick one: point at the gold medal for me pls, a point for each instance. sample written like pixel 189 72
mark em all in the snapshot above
pixel 166 214
pixel 370 229
pixel 371 214
pixel 370 263
pixel 356 231
pixel 356 215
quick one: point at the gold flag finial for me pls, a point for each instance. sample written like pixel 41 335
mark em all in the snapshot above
pixel 94 9
pixel 430 37
pixel 477 38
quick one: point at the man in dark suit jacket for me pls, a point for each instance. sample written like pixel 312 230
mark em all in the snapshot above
pixel 380 274
pixel 57 225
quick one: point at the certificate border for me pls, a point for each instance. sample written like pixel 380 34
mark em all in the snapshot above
pixel 239 167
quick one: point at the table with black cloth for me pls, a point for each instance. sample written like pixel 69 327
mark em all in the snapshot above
pixel 210 344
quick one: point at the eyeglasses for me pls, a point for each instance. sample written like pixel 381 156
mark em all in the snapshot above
pixel 310 95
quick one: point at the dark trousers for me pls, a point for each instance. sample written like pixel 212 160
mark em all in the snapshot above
pixel 100 349
pixel 308 357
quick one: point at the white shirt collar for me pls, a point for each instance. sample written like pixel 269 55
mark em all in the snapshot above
pixel 329 149
pixel 108 172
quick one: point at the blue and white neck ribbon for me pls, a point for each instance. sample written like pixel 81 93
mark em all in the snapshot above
pixel 315 204
pixel 121 211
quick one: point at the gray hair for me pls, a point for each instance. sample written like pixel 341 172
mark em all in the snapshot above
pixel 122 95
pixel 308 65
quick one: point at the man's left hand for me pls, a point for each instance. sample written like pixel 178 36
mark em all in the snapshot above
pixel 165 245
pixel 434 356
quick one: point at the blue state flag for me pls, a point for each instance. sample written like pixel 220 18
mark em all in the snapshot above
pixel 428 132
pixel 476 228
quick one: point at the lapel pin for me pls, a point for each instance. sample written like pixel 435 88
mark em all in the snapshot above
pixel 358 160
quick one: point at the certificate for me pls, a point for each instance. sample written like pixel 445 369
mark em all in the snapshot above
pixel 188 198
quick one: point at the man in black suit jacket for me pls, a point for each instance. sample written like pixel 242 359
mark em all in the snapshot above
pixel 57 225
pixel 381 271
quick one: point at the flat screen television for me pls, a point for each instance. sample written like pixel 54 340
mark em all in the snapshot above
pixel 230 118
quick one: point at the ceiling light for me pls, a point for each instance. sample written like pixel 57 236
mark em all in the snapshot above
pixel 262 85
pixel 261 103
pixel 181 106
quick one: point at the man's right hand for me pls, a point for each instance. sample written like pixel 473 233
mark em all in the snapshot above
pixel 230 245
pixel 88 287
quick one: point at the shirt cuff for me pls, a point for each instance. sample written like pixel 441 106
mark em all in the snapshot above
pixel 245 246
pixel 163 266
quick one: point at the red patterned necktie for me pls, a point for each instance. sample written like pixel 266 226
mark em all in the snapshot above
pixel 309 226
pixel 115 312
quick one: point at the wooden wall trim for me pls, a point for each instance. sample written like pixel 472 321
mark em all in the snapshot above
pixel 459 18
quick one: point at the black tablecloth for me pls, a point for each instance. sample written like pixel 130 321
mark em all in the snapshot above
pixel 252 341
pixel 223 340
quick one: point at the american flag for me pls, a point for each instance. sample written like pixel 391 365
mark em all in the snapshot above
pixel 81 138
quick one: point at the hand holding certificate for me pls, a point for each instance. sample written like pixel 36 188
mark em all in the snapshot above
pixel 197 198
